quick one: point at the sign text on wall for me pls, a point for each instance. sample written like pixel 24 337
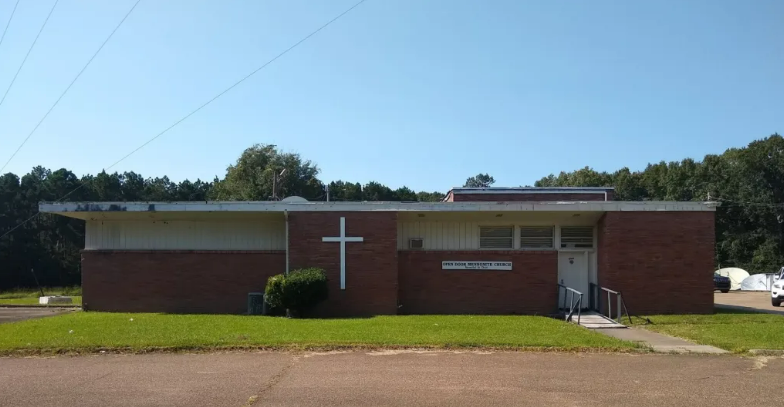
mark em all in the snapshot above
pixel 476 265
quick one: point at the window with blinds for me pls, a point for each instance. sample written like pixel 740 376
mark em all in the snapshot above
pixel 496 237
pixel 536 237
pixel 577 237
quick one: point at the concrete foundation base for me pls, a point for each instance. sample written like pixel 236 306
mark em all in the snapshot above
pixel 55 300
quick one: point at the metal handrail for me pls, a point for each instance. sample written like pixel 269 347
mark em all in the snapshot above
pixel 620 307
pixel 573 305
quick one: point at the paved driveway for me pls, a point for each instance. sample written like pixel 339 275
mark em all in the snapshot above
pixel 390 379
pixel 13 314
pixel 756 301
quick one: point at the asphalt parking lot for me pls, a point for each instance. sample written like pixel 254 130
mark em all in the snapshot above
pixel 14 314
pixel 390 378
pixel 756 301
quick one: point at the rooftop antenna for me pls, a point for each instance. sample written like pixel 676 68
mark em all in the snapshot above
pixel 275 179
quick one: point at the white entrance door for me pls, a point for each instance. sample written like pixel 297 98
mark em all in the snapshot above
pixel 573 273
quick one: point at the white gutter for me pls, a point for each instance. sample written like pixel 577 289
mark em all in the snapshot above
pixel 525 191
pixel 112 209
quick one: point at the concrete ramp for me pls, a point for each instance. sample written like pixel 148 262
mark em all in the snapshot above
pixel 594 320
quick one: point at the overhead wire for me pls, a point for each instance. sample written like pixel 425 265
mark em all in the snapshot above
pixel 198 108
pixel 8 24
pixel 29 51
pixel 239 82
pixel 70 85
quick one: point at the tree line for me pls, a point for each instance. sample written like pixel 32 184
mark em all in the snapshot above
pixel 48 246
pixel 748 181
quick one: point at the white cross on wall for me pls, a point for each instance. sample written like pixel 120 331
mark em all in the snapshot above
pixel 342 239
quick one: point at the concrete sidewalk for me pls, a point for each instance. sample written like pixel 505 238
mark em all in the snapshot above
pixel 659 342
pixel 656 341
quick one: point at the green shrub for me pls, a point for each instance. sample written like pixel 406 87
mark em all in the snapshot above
pixel 297 292
pixel 273 292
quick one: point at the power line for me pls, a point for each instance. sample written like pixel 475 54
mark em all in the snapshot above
pixel 71 84
pixel 239 82
pixel 28 51
pixel 2 37
pixel 199 108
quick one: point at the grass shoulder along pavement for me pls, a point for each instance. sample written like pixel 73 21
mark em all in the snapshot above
pixel 736 331
pixel 93 331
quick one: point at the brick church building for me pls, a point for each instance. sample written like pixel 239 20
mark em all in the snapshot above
pixel 481 251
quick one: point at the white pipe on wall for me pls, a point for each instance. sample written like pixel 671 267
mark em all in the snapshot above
pixel 286 215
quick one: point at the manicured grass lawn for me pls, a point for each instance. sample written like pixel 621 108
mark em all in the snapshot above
pixel 735 331
pixel 29 296
pixel 91 331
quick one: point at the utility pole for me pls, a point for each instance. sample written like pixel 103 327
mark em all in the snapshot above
pixel 327 192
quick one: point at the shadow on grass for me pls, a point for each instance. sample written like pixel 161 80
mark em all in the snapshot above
pixel 305 317
pixel 739 309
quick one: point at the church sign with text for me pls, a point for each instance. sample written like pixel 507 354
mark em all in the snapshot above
pixel 476 265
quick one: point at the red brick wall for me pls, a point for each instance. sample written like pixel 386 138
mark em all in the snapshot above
pixel 662 262
pixel 371 265
pixel 529 288
pixel 527 197
pixel 176 281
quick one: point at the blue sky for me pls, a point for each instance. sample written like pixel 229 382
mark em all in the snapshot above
pixel 422 93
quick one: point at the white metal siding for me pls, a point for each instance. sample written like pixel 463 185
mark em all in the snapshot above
pixel 186 235
pixel 454 235
pixel 441 235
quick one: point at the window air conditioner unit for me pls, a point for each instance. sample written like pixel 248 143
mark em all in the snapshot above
pixel 416 243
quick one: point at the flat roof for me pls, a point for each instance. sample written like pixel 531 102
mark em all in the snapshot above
pixel 88 210
pixel 532 190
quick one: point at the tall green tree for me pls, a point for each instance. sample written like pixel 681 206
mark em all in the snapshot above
pixel 259 168
pixel 435 196
pixel 374 191
pixel 345 191
pixel 479 181
pixel 748 182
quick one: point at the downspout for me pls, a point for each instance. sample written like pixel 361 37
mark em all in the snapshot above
pixel 286 215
